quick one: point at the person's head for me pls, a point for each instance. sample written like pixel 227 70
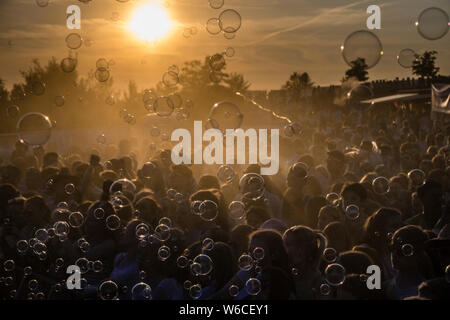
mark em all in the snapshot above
pixel 33 179
pixel 337 236
pixel 312 209
pixel 430 194
pixel 380 227
pixel 239 238
pixel 296 177
pixel 274 250
pixel 152 176
pixel 211 195
pixel 274 224
pixel 208 182
pixel 50 160
pixel 408 255
pixel 256 216
pixel 224 263
pixel 435 289
pixel 181 179
pixel 336 163
pixel 36 211
pixel 353 193
pixel 10 174
pixel 304 247
pixel 312 187
pixel 355 262
pixel 327 215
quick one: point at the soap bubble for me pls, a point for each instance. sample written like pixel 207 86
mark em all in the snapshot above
pixel 163 106
pixel 69 188
pixel 59 101
pixel 417 177
pixel 102 63
pixel 113 222
pixel 162 232
pixel 212 26
pixel 216 4
pixel 205 264
pixel 27 271
pixel 61 228
pixel 380 185
pixel 406 58
pixel 233 290
pixel 42 3
pixel 163 253
pixel 330 255
pixel 12 111
pixel 352 212
pixel 225 115
pixel 325 289
pixel 74 41
pixel 207 244
pixel 332 197
pixel 433 23
pixel 195 291
pixel 99 213
pixel 123 185
pixel 208 210
pixel 236 210
pixel 41 235
pixel 447 273
pixel 407 250
pixel 229 52
pixel 37 88
pixel 195 207
pixel 229 35
pixel 9 265
pixel 335 274
pixel 141 291
pixel 187 284
pixel 174 69
pixel 230 21
pixel 68 64
pixel 216 62
pixel 83 264
pixel 182 262
pixel 359 93
pixel 245 262
pixel 170 79
pixel 22 246
pixel 108 290
pixel 102 74
pixel 258 253
pixel 362 44
pixel 225 174
pixel 253 286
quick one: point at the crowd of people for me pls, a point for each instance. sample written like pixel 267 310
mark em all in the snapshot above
pixel 355 190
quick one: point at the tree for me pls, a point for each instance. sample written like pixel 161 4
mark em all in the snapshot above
pixel 358 70
pixel 297 84
pixel 237 83
pixel 3 93
pixel 425 65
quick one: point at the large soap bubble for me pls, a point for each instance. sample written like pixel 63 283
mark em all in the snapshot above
pixel 225 115
pixel 230 21
pixel 362 44
pixel 432 23
pixel 34 128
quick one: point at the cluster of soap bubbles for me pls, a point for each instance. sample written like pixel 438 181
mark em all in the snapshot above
pixel 226 174
pixel 228 22
pixel 207 210
pixel 102 73
pixel 190 31
pixel 171 77
pixel 432 24
pixel 292 129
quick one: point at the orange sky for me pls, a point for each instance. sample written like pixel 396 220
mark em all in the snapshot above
pixel 277 37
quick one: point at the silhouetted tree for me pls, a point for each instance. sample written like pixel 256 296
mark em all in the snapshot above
pixel 297 84
pixel 237 83
pixel 358 70
pixel 425 65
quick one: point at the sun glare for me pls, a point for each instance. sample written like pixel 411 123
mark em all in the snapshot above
pixel 150 22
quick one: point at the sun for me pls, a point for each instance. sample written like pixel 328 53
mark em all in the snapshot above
pixel 150 22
